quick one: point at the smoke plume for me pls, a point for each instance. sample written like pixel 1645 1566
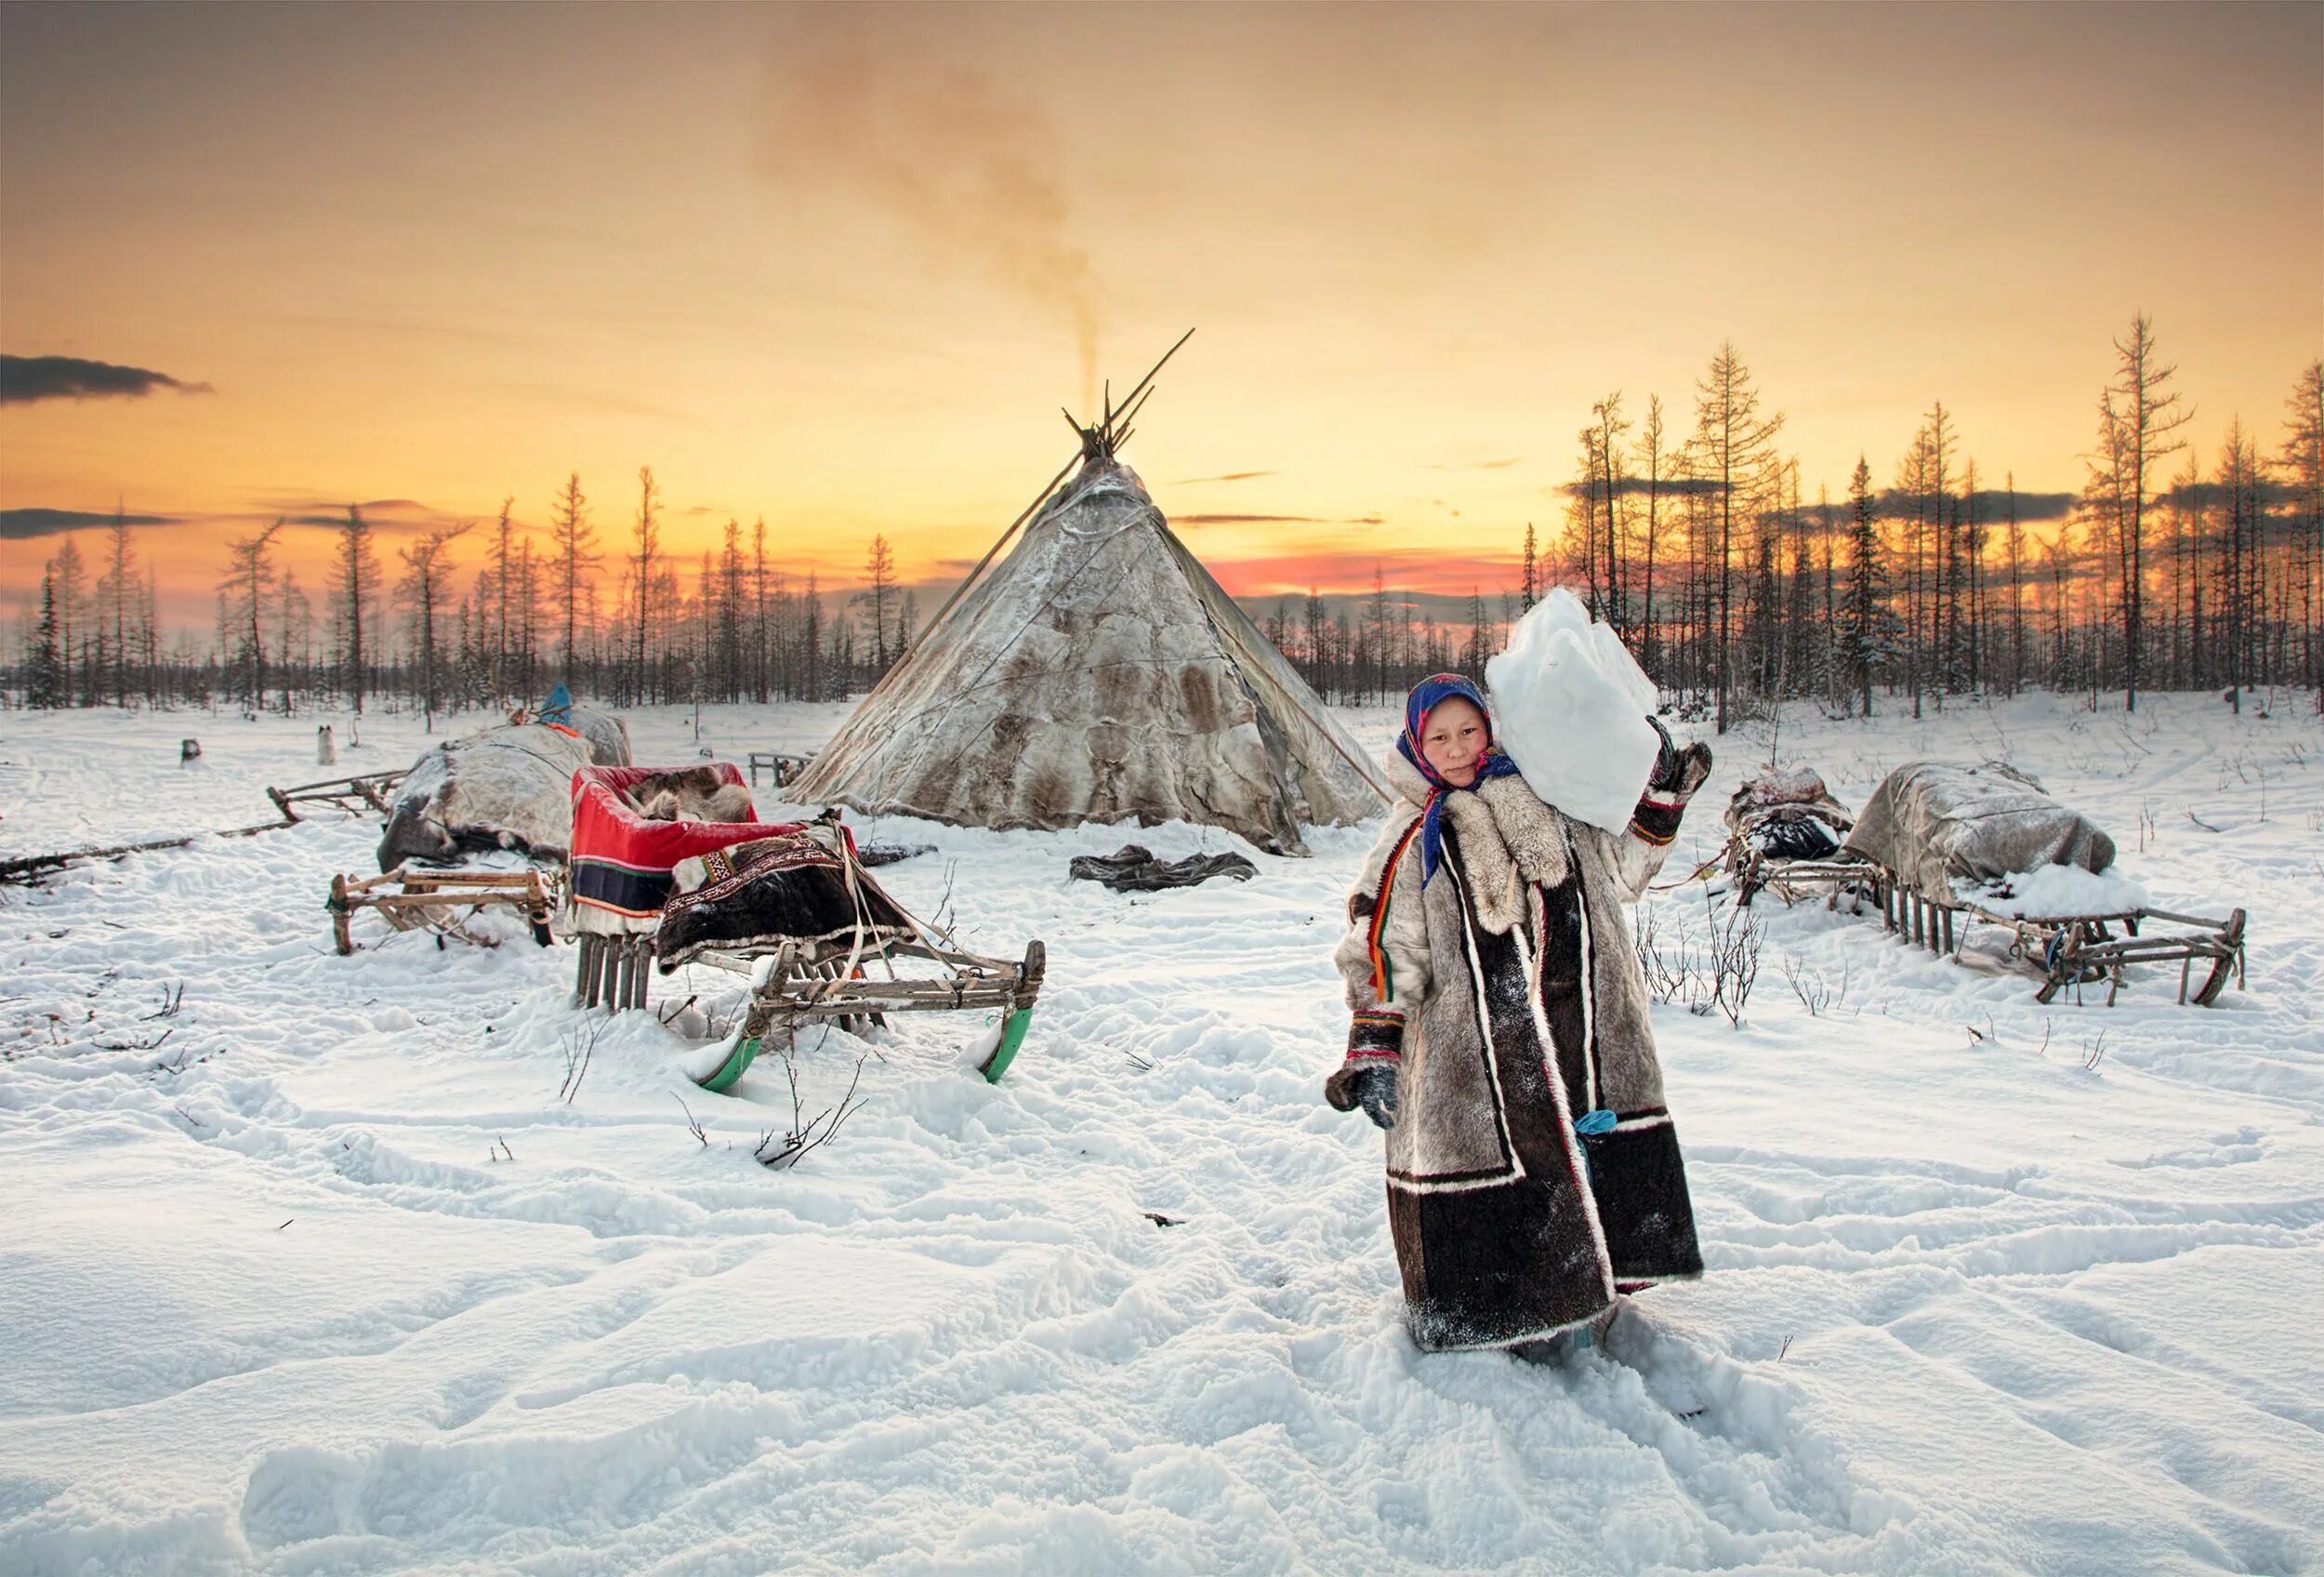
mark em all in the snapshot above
pixel 970 165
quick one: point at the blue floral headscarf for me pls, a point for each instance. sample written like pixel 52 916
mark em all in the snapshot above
pixel 1426 696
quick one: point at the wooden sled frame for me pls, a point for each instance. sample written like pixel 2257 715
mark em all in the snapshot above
pixel 2074 949
pixel 800 984
pixel 795 982
pixel 1755 872
pixel 781 765
pixel 441 901
pixel 351 794
pixel 354 795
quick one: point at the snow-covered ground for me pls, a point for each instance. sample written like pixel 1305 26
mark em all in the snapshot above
pixel 320 1274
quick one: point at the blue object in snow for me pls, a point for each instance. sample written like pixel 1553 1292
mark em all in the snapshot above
pixel 1588 1122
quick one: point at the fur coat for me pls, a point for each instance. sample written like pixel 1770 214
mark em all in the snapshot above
pixel 1507 994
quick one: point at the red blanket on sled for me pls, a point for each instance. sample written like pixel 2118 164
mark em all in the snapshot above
pixel 620 866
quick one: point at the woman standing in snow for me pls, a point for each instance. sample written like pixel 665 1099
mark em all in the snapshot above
pixel 1501 1039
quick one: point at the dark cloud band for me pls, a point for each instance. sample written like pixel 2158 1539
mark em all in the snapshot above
pixel 26 378
pixel 20 526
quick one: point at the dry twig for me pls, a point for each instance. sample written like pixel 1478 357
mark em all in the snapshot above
pixel 784 1150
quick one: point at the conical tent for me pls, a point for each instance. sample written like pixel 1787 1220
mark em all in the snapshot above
pixel 1097 673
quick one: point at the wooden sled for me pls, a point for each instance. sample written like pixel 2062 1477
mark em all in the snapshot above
pixel 622 869
pixel 354 795
pixel 2075 949
pixel 800 984
pixel 443 902
pixel 1764 806
pixel 781 765
pixel 1756 872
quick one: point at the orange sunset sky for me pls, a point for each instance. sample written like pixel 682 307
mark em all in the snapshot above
pixel 839 267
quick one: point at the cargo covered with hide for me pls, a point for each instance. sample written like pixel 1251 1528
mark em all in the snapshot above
pixel 506 787
pixel 1933 822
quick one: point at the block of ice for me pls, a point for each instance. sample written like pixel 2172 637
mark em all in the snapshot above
pixel 1569 706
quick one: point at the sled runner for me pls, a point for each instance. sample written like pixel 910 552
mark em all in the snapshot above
pixel 443 902
pixel 805 983
pixel 789 905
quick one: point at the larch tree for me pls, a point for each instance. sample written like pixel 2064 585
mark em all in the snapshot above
pixel 1972 549
pixel 1609 427
pixel 2138 417
pixel 1863 581
pixel 2241 604
pixel 501 565
pixel 1935 479
pixel 426 571
pixel 761 611
pixel 1651 458
pixel 573 539
pixel 294 634
pixel 732 675
pixel 249 578
pixel 117 593
pixel 1738 444
pixel 2303 462
pixel 68 570
pixel 358 588
pixel 44 662
pixel 2016 591
pixel 647 533
pixel 880 584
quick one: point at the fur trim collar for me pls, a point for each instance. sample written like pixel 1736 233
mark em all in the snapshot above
pixel 1508 840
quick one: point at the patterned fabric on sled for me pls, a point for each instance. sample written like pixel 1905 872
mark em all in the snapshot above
pixel 797 887
pixel 621 862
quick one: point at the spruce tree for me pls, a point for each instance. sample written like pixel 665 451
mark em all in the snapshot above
pixel 1864 577
pixel 46 661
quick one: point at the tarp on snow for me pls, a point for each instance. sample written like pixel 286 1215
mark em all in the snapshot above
pixel 1933 821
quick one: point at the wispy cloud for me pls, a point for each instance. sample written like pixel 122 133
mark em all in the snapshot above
pixel 1273 520
pixel 1229 476
pixel 396 328
pixel 1406 570
pixel 1479 465
pixel 26 378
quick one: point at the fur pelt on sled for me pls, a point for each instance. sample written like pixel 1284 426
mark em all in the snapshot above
pixel 759 894
pixel 504 788
pixel 691 793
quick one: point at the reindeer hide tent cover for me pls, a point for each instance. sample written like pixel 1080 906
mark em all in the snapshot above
pixel 1099 673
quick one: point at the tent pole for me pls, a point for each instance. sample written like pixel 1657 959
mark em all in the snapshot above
pixel 961 589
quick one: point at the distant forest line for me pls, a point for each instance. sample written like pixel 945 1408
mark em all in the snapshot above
pixel 2170 570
